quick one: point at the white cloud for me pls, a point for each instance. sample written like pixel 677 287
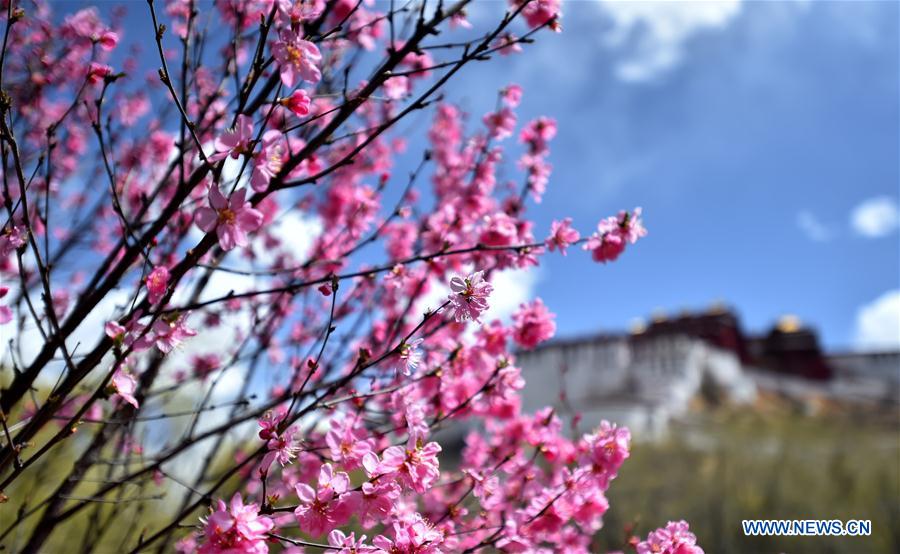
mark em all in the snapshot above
pixel 652 35
pixel 875 217
pixel 89 331
pixel 814 229
pixel 878 322
pixel 296 232
pixel 511 288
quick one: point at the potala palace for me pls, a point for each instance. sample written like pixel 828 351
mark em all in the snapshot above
pixel 659 372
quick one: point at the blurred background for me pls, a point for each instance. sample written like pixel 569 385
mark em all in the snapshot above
pixel 752 341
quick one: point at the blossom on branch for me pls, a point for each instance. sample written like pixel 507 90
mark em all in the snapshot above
pixel 349 387
pixel 468 296
pixel 410 356
pixel 561 235
pixel 124 385
pixel 236 528
pixel 329 505
pixel 268 161
pixel 297 59
pixel 157 283
pixel 613 234
pixel 674 538
pixel 231 218
pixel 297 103
pixel 97 72
pixel 235 142
pixel 533 324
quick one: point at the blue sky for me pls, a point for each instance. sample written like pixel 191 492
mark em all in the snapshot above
pixel 753 134
pixel 749 133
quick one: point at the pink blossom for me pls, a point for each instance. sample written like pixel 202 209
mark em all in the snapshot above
pixel 187 545
pixel 507 44
pixel 540 12
pixel 561 235
pixel 674 538
pixel 376 501
pixel 511 95
pixel 12 238
pixel 533 324
pixel 415 466
pixel 545 514
pixel 204 364
pixel 468 296
pixel 270 421
pixel 416 422
pixel 538 133
pixel 130 110
pixel 411 536
pixel 108 40
pixel 236 528
pixel 327 506
pixel 235 142
pixel 400 237
pixel 410 356
pixel 460 19
pixel 512 540
pixel 500 124
pixel 631 226
pixel 397 87
pixel 269 161
pixel 538 174
pixel 157 283
pixel 168 333
pixel 297 11
pixel 282 447
pixel 485 488
pixel 85 23
pixel 347 442
pixel 5 312
pixel 499 230
pixel 297 103
pixel 605 246
pixel 607 449
pixel 419 62
pixel 97 72
pixel 128 334
pixel 613 234
pixel 124 384
pixel 232 219
pixel 297 58
pixel 348 544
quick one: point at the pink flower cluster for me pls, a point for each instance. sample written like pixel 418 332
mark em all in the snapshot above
pixel 157 283
pixel 236 527
pixel 533 324
pixel 674 538
pixel 349 297
pixel 468 296
pixel 166 333
pixel 613 234
pixel 327 506
pixel 537 136
pixel 562 236
pixel 297 59
pixel 232 219
pixel 280 443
